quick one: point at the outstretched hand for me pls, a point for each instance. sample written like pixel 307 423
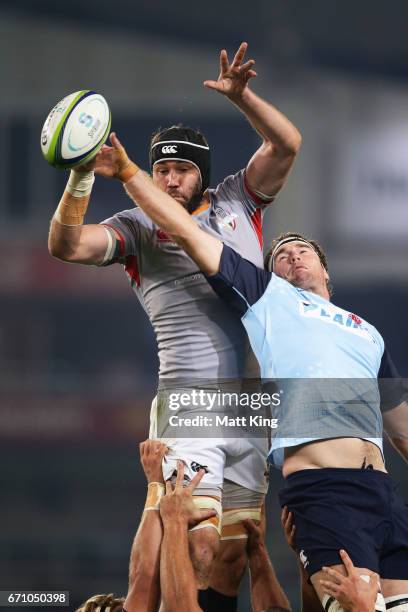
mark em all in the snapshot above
pixel 234 77
pixel 178 503
pixel 110 162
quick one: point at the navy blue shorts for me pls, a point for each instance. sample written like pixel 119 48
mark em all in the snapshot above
pixel 358 510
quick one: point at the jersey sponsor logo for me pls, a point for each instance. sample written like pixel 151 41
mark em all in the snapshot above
pixel 169 149
pixel 303 559
pixel 196 467
pixel 329 313
pixel 226 219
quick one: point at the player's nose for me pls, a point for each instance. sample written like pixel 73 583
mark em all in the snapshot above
pixel 173 179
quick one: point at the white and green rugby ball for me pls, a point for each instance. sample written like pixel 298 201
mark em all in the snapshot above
pixel 75 129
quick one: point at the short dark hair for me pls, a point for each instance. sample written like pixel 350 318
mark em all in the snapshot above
pixel 295 236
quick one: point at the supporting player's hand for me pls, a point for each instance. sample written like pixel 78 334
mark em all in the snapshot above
pixel 178 504
pixel 111 162
pixel 353 592
pixel 234 77
pixel 256 532
pixel 289 528
pixel 151 456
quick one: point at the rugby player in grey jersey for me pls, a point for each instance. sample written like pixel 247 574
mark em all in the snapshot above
pixel 197 337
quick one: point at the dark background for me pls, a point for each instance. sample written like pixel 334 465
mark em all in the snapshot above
pixel 78 358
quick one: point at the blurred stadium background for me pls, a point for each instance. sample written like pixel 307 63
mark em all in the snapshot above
pixel 78 359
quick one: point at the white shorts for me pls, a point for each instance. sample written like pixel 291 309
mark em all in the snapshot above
pixel 239 460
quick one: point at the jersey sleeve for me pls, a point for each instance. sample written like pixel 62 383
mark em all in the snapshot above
pixel 239 282
pixel 393 388
pixel 130 227
pixel 236 191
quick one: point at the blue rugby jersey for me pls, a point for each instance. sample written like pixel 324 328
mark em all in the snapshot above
pixel 296 334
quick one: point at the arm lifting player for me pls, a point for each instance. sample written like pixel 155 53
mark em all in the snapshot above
pixel 266 592
pixel 144 567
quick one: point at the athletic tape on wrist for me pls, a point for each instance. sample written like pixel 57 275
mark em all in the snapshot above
pixel 71 210
pixel 80 183
pixel 155 491
pixel 72 207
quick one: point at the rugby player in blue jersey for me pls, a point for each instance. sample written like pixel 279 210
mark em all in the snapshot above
pixel 336 483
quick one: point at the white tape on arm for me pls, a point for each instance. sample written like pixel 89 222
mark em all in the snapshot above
pixel 74 202
pixel 80 183
pixel 110 248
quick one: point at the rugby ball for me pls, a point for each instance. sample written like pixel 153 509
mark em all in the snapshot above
pixel 75 129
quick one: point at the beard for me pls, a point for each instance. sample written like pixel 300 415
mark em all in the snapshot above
pixel 195 200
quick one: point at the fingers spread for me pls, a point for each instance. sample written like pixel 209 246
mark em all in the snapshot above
pixel 197 478
pixel 180 475
pixel 213 85
pixel 348 564
pixel 240 54
pixel 115 141
pixel 224 63
pixel 247 65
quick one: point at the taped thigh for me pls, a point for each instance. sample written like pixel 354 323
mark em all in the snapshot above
pixel 330 604
pixel 239 503
pixel 397 603
pixel 204 502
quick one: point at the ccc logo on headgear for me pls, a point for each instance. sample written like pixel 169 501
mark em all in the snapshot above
pixel 169 149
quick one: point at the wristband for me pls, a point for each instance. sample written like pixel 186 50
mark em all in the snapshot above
pixel 128 172
pixel 74 202
pixel 155 491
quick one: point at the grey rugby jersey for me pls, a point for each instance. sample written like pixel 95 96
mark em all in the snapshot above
pixel 198 337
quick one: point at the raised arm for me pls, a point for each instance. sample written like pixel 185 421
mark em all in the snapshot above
pixel 144 577
pixel 178 513
pixel 266 592
pixel 269 167
pixel 69 239
pixel 310 600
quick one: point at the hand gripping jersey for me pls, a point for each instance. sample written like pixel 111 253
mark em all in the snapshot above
pixel 198 338
pixel 298 335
